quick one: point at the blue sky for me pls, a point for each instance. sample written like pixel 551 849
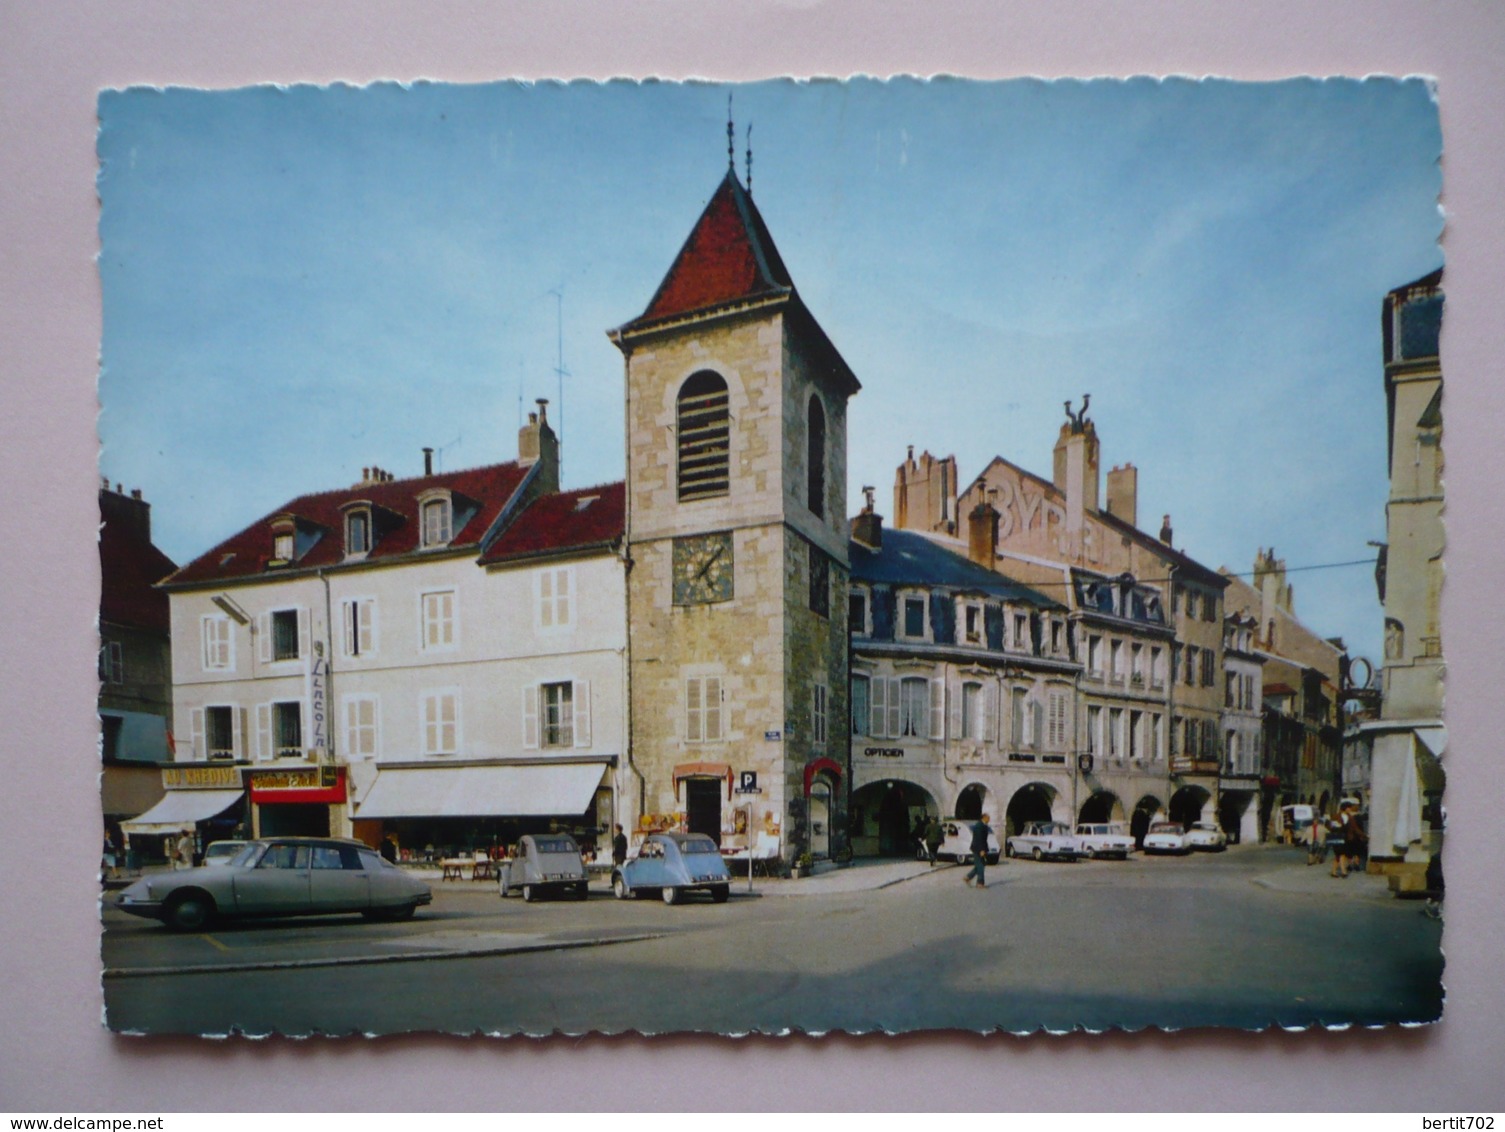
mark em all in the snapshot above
pixel 299 282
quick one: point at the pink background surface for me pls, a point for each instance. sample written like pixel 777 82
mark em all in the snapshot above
pixel 54 1055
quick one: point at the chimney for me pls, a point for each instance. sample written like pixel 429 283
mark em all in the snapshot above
pixel 1123 494
pixel 925 493
pixel 867 528
pixel 537 444
pixel 130 512
pixel 982 533
pixel 428 461
pixel 1165 530
pixel 1075 470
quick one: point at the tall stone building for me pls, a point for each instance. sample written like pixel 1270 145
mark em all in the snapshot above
pixel 737 537
pixel 1409 738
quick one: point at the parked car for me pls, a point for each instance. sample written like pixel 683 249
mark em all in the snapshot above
pixel 1166 837
pixel 956 843
pixel 545 864
pixel 1042 839
pixel 673 864
pixel 279 876
pixel 1104 839
pixel 1207 837
pixel 222 852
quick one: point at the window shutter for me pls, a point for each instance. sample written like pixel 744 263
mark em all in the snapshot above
pixel 712 708
pixel 1034 723
pixel 303 649
pixel 938 708
pixel 957 731
pixel 877 723
pixel 530 716
pixel 263 731
pixel 582 695
pixel 565 592
pixel 984 715
pixel 237 731
pixel 546 598
pixel 367 615
pixel 264 637
pixel 894 684
pixel 348 627
pixel 196 733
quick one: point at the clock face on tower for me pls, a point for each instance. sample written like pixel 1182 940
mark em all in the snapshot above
pixel 703 569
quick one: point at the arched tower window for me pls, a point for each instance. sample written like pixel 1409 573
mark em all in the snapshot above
pixel 704 431
pixel 815 457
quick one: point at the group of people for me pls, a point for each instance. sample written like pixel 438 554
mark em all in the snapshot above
pixel 1344 832
pixel 928 832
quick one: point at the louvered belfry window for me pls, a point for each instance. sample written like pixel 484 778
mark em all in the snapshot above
pixel 704 432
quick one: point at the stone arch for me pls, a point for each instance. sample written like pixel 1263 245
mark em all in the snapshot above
pixel 815 456
pixel 1146 810
pixel 971 802
pixel 1188 804
pixel 1034 801
pixel 702 426
pixel 1103 806
pixel 884 815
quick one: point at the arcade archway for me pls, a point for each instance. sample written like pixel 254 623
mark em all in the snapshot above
pixel 1103 806
pixel 1145 811
pixel 972 802
pixel 1030 803
pixel 1187 805
pixel 886 818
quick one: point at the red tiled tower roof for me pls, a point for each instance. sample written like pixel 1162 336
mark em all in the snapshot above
pixel 728 258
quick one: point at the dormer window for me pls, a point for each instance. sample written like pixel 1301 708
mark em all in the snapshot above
pixel 436 512
pixel 283 543
pixel 357 534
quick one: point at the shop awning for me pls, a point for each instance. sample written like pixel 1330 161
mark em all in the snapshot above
pixel 481 791
pixel 1434 739
pixel 182 809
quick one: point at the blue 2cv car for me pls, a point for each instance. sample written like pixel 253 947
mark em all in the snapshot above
pixel 673 864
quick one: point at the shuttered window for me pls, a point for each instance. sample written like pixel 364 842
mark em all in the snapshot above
pixel 704 434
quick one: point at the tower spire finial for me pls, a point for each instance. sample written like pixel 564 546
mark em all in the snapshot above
pixel 749 159
pixel 731 134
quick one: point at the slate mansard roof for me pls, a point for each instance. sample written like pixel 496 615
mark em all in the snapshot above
pixel 910 559
pixel 492 520
pixel 130 568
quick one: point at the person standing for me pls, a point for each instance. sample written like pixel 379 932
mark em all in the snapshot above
pixel 1341 831
pixel 1316 849
pixel 110 860
pixel 933 838
pixel 618 847
pixel 185 850
pixel 981 831
pixel 388 848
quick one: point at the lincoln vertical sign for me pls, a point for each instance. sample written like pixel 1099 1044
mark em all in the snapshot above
pixel 318 675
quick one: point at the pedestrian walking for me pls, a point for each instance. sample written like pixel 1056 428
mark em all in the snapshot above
pixel 1316 850
pixel 388 848
pixel 1354 837
pixel 1342 833
pixel 933 838
pixel 185 850
pixel 619 847
pixel 110 858
pixel 981 831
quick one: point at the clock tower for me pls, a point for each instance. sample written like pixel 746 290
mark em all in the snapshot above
pixel 737 544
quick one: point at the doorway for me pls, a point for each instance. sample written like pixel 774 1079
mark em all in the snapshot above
pixel 703 806
pixel 820 819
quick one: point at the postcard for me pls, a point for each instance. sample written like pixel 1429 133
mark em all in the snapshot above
pixel 799 556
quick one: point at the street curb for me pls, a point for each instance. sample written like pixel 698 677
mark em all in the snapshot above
pixel 362 960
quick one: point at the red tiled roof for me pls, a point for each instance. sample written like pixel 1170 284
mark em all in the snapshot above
pixel 129 566
pixel 729 257
pixel 245 555
pixel 566 520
